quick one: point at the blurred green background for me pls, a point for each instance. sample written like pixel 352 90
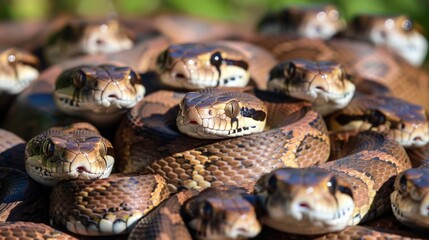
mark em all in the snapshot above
pixel 229 10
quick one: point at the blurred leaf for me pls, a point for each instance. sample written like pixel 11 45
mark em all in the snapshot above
pixel 210 8
pixel 29 9
pixel 136 7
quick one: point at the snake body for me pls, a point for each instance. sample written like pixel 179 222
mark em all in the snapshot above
pixel 30 230
pixel 109 206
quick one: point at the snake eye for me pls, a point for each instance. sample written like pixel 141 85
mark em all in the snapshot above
pixel 162 60
pixel 79 79
pixel 106 149
pixel 345 190
pixel 232 109
pixel 407 25
pixel 332 185
pixel 272 184
pixel 133 77
pixel 291 70
pixel 216 59
pixel 375 117
pixel 207 210
pixel 403 184
pixel 342 74
pixel 48 148
pixel 400 126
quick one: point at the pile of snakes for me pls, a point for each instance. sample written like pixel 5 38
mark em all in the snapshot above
pixel 304 126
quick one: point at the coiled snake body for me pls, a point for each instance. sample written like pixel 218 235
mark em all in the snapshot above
pixel 149 142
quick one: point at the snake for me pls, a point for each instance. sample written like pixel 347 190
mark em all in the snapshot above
pixel 324 83
pixel 108 206
pixel 18 68
pixel 398 33
pixel 351 189
pixel 77 151
pixel 309 22
pixel 30 230
pixel 214 213
pixel 97 93
pixel 79 37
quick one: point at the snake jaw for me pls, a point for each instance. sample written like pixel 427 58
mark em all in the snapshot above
pixel 305 217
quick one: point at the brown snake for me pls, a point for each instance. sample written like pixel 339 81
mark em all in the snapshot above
pixel 355 189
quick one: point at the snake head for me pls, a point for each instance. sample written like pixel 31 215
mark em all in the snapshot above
pixel 61 154
pixel 410 199
pixel 323 83
pixel 213 113
pixel 309 22
pixel 222 214
pixel 18 69
pixel 87 37
pixel 305 201
pixel 398 33
pixel 195 66
pixel 99 93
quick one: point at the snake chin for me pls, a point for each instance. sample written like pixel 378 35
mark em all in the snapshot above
pixel 198 131
pixel 306 218
pixel 46 177
pixel 104 227
pixel 16 84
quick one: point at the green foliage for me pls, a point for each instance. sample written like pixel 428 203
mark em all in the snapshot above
pixel 228 10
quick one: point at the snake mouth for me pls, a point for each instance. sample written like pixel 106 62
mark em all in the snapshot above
pixel 308 219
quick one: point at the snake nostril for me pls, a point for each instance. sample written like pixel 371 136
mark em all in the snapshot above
pixel 304 205
pixel 113 96
pixel 99 42
pixel 320 88
pixel 180 75
pixel 193 122
pixel 417 139
pixel 81 169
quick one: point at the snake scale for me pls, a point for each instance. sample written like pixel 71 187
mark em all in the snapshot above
pixel 299 141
